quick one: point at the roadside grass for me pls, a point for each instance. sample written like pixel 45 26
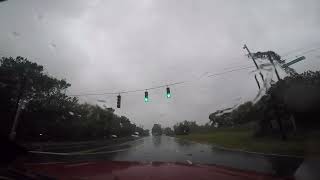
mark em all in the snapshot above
pixel 242 139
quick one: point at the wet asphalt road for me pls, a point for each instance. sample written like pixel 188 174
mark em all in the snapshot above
pixel 170 149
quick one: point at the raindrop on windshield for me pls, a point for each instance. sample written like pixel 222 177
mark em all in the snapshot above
pixel 53 45
pixel 15 34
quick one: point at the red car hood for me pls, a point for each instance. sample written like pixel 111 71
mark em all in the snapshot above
pixel 139 171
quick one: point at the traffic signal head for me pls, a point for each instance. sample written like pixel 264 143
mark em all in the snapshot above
pixel 146 97
pixel 118 101
pixel 168 93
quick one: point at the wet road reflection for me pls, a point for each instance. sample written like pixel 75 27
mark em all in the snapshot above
pixel 170 149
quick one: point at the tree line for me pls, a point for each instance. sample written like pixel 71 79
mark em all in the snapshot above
pixel 50 114
pixel 290 106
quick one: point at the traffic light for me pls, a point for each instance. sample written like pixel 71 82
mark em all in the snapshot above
pixel 146 97
pixel 118 101
pixel 168 93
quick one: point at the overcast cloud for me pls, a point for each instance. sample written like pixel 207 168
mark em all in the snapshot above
pixel 110 46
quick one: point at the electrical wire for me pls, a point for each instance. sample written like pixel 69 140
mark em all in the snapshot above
pixel 157 87
pixel 309 51
pixel 181 82
pixel 125 92
pixel 304 52
pixel 233 70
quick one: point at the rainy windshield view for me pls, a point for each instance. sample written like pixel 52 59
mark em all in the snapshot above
pixel 160 89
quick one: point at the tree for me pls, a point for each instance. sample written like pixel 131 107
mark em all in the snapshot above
pixel 182 128
pixel 168 131
pixel 50 113
pixel 156 130
pixel 25 80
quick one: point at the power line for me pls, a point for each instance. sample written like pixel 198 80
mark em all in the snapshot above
pixel 130 91
pixel 233 70
pixel 309 51
pixel 304 52
pixel 157 87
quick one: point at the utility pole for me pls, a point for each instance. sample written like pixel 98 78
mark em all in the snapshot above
pixel 254 61
pixel 255 77
pixel 275 69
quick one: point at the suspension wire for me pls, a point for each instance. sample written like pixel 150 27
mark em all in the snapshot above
pixel 157 87
pixel 300 49
pixel 233 70
pixel 181 82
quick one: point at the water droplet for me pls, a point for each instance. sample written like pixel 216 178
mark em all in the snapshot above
pixel 53 45
pixel 15 34
pixel 189 162
pixel 40 17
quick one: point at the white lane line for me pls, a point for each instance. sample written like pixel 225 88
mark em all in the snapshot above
pixel 96 149
pixel 71 154
pixel 105 152
pixel 86 153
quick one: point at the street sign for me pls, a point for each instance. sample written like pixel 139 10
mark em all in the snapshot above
pixel 293 62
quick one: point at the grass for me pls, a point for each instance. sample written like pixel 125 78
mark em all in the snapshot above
pixel 242 139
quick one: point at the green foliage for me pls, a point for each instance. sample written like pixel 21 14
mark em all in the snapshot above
pixel 182 128
pixel 292 104
pixel 156 130
pixel 244 113
pixel 242 139
pixel 168 131
pixel 49 111
pixel 186 127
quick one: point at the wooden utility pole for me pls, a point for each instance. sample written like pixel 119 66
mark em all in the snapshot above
pixel 275 69
pixel 254 61
pixel 255 77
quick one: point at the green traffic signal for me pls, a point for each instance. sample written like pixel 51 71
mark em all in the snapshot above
pixel 146 96
pixel 168 93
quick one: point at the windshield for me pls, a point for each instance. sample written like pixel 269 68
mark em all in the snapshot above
pixel 232 84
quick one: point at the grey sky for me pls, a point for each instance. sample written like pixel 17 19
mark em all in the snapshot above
pixel 109 46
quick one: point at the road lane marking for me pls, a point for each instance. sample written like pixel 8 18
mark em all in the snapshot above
pixel 72 154
pixel 96 149
pixel 88 152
